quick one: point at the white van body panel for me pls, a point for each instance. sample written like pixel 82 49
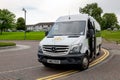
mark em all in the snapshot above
pixel 75 48
pixel 78 17
pixel 64 40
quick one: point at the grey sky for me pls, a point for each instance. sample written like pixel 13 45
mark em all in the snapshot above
pixel 50 10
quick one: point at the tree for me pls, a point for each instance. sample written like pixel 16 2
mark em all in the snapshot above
pixel 92 10
pixel 21 24
pixel 7 20
pixel 109 20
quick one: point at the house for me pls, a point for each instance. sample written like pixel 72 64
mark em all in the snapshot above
pixel 40 26
pixel 30 27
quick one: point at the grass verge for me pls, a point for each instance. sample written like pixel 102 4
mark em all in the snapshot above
pixel 111 36
pixel 20 36
pixel 108 35
pixel 4 44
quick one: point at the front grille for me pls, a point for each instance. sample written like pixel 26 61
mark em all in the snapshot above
pixel 55 48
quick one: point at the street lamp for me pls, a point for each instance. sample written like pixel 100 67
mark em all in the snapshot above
pixel 25 22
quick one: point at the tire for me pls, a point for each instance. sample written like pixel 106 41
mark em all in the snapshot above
pixel 84 63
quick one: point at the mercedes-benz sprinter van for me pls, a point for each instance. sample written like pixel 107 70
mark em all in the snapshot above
pixel 73 39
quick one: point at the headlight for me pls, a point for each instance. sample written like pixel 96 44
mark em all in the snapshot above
pixel 40 49
pixel 76 48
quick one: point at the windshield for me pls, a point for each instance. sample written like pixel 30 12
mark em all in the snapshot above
pixel 68 28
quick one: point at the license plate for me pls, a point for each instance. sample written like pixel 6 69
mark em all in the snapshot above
pixel 53 61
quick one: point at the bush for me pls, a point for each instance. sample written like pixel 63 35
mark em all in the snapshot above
pixel 4 44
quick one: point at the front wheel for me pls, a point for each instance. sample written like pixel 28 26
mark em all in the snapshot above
pixel 85 63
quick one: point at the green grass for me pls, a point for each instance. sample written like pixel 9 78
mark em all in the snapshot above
pixel 4 44
pixel 111 35
pixel 20 36
pixel 108 35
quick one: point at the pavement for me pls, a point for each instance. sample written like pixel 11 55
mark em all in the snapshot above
pixel 108 70
pixel 22 64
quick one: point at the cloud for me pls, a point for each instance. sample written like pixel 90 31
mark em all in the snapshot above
pixel 50 10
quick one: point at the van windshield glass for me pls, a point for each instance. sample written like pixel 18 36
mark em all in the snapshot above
pixel 68 28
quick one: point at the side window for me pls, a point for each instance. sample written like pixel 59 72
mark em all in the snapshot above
pixel 98 32
pixel 90 31
pixel 90 24
pixel 94 25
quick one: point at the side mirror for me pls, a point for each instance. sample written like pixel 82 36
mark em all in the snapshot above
pixel 46 33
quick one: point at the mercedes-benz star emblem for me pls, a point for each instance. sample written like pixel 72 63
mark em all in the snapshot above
pixel 53 49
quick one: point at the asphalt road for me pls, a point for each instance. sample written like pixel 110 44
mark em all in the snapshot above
pixel 23 65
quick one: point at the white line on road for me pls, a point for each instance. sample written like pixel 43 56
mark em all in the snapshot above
pixel 18 47
pixel 16 70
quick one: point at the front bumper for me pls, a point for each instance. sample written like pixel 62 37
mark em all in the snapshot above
pixel 66 59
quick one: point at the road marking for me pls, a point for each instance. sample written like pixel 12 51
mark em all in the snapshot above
pixel 72 72
pixel 16 70
pixel 105 55
pixel 69 72
pixel 59 74
pixel 18 47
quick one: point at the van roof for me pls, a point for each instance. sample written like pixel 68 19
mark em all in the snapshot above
pixel 77 17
